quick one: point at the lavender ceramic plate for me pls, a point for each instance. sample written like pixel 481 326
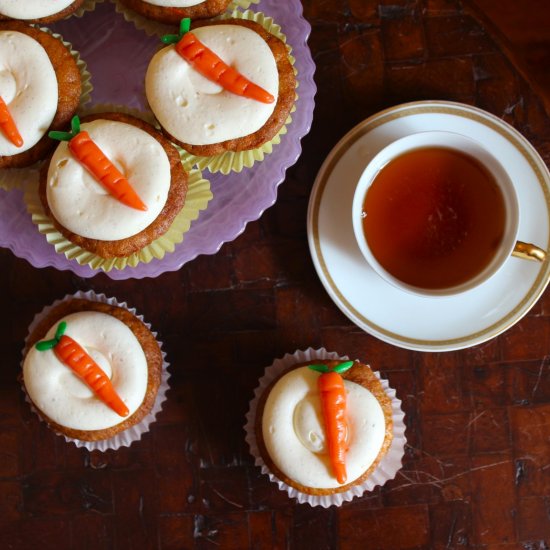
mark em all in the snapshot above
pixel 117 55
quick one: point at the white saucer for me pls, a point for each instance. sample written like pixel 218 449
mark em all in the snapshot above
pixel 395 316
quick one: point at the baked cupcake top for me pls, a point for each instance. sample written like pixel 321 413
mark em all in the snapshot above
pixel 88 344
pixel 171 11
pixel 121 185
pixel 295 436
pixel 197 110
pixel 30 54
pixel 81 203
pixel 33 9
pixel 320 442
pixel 28 87
pixel 64 397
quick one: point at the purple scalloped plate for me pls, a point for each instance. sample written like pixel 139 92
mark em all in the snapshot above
pixel 117 55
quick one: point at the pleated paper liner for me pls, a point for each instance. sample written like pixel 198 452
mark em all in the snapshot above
pixel 386 469
pixel 236 161
pixel 87 5
pixel 134 433
pixel 17 178
pixel 155 27
pixel 197 199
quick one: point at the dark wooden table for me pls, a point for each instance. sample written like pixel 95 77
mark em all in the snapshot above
pixel 476 472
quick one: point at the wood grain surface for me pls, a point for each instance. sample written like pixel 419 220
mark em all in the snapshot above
pixel 476 472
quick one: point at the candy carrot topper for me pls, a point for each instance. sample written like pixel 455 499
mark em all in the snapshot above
pixel 8 126
pixel 104 171
pixel 71 354
pixel 333 404
pixel 207 63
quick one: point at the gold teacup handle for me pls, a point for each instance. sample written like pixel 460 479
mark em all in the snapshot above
pixel 528 251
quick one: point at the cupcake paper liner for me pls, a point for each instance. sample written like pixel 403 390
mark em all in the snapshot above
pixel 387 467
pixel 134 433
pixel 236 161
pixel 152 28
pixel 18 178
pixel 87 5
pixel 197 199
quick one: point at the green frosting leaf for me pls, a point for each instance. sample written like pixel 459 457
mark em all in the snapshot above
pixel 318 368
pixel 343 367
pixel 185 25
pixel 60 136
pixel 170 38
pixel 75 125
pixel 66 136
pixel 61 328
pixel 50 344
pixel 46 345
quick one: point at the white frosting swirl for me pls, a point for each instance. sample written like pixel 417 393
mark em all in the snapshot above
pixel 174 3
pixel 28 86
pixel 82 205
pixel 198 111
pixel 32 9
pixel 294 436
pixel 62 396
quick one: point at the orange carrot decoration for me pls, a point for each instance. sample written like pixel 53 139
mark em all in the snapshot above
pixel 333 404
pixel 207 63
pixel 104 171
pixel 70 353
pixel 8 126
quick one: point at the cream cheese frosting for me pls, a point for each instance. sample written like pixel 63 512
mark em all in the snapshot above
pixel 64 397
pixel 198 111
pixel 174 3
pixel 82 205
pixel 28 86
pixel 294 436
pixel 32 9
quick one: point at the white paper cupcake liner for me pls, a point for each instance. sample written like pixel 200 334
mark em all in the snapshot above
pixel 134 433
pixel 87 5
pixel 387 468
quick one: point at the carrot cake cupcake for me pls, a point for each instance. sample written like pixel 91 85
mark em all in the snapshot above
pixel 91 369
pixel 173 11
pixel 321 427
pixel 226 86
pixel 38 11
pixel 40 88
pixel 113 185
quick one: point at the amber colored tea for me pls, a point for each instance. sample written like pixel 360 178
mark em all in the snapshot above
pixel 434 217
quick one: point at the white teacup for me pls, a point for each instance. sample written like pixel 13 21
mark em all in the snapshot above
pixel 471 148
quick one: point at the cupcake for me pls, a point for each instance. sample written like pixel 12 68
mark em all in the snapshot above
pixel 172 11
pixel 323 427
pixel 115 186
pixel 38 11
pixel 40 89
pixel 92 370
pixel 226 86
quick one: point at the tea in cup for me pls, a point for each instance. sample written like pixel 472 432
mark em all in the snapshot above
pixel 436 214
